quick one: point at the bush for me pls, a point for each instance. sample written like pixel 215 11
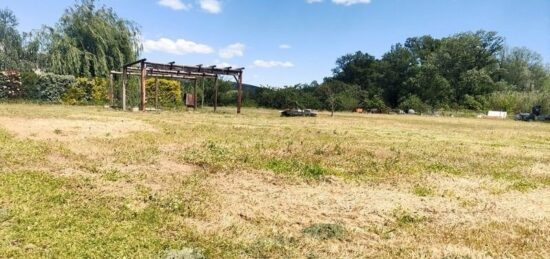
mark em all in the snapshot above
pixel 472 103
pixel 29 82
pixel 51 87
pixel 415 103
pixel 375 103
pixel 10 85
pixel 86 91
pixel 169 92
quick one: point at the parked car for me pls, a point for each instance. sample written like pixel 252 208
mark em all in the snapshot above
pixel 535 115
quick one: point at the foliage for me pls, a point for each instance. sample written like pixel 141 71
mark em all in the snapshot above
pixel 10 85
pixel 87 91
pixel 375 102
pixel 514 102
pixel 415 103
pixel 50 87
pixel 461 71
pixel 169 92
pixel 29 82
pixel 10 40
pixel 90 41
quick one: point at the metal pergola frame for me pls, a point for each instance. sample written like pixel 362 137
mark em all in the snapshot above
pixel 143 69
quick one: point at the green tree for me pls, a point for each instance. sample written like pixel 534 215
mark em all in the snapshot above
pixel 90 41
pixel 10 41
pixel 523 69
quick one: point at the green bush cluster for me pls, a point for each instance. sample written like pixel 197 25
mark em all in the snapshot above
pixel 169 92
pixel 87 91
pixel 52 88
pixel 10 84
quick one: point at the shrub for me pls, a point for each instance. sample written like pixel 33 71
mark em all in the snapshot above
pixel 51 87
pixel 29 82
pixel 169 92
pixel 415 103
pixel 376 102
pixel 472 103
pixel 10 85
pixel 86 91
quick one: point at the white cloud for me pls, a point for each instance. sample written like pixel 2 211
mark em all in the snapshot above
pixel 272 63
pixel 350 2
pixel 313 1
pixel 211 6
pixel 285 46
pixel 177 47
pixel 175 4
pixel 233 50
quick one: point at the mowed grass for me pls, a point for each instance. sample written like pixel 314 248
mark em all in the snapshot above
pixel 93 182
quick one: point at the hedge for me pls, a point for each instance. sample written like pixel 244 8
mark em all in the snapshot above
pixel 10 85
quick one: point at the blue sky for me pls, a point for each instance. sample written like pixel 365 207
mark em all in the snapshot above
pixel 284 42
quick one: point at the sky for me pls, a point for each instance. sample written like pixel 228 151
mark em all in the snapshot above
pixel 286 42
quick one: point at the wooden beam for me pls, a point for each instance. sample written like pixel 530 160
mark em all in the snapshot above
pixel 141 61
pixel 202 95
pixel 124 78
pixel 240 93
pixel 215 93
pixel 195 95
pixel 142 82
pixel 111 90
pixel 156 93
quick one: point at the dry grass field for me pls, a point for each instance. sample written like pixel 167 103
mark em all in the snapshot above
pixel 93 182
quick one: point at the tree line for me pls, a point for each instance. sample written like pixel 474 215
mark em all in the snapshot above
pixel 469 70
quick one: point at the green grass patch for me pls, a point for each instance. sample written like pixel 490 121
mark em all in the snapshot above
pixel 325 231
pixel 423 191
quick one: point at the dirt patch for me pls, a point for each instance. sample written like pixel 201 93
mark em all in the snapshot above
pixel 72 129
pixel 539 169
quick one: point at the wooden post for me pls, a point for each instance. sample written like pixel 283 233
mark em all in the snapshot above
pixel 111 91
pixel 195 95
pixel 124 78
pixel 156 93
pixel 240 93
pixel 215 93
pixel 142 82
pixel 202 95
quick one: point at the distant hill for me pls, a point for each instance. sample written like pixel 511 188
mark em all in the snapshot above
pixel 248 88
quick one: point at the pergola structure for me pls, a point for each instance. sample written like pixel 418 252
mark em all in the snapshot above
pixel 145 69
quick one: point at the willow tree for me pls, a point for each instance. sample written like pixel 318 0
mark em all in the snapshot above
pixel 90 41
pixel 10 40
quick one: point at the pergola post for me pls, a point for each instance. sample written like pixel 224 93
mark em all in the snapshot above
pixel 195 95
pixel 202 95
pixel 215 93
pixel 156 93
pixel 111 90
pixel 124 78
pixel 142 82
pixel 239 93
